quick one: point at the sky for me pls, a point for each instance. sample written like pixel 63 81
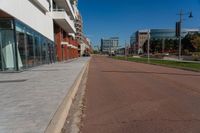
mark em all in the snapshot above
pixel 121 18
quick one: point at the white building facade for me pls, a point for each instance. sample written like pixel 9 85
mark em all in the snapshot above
pixel 27 31
pixel 110 45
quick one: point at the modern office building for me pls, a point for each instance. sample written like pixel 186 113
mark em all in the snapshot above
pixel 132 44
pixel 110 45
pixel 141 36
pixel 35 32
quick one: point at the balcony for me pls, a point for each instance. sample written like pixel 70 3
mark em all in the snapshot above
pixel 41 4
pixel 69 45
pixel 73 42
pixel 65 4
pixel 63 20
pixel 72 46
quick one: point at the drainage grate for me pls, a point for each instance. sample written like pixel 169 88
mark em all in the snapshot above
pixel 13 81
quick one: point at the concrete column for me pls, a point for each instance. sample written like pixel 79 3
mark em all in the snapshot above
pixel 51 5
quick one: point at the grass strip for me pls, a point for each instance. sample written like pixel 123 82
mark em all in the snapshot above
pixel 175 64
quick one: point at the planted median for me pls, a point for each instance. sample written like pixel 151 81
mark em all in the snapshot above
pixel 175 64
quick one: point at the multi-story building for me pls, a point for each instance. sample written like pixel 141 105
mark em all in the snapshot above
pixel 63 15
pixel 86 46
pixel 132 44
pixel 110 45
pixel 141 38
pixel 79 30
pixel 35 32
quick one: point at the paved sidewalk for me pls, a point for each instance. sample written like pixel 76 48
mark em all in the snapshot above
pixel 28 100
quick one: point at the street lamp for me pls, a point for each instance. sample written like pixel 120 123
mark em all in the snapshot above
pixel 181 14
pixel 148 47
pixel 126 50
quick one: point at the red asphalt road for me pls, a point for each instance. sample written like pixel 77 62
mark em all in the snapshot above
pixel 128 97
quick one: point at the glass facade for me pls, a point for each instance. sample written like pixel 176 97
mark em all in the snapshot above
pixel 167 33
pixel 21 47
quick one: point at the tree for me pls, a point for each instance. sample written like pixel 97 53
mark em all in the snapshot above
pixel 191 42
pixel 196 41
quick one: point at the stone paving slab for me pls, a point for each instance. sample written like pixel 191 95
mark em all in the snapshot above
pixel 28 100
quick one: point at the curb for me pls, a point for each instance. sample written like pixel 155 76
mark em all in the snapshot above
pixel 57 122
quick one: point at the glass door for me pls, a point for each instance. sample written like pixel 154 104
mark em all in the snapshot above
pixel 21 49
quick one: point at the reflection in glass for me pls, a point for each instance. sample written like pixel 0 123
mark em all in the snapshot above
pixel 30 49
pixel 44 51
pixel 21 47
pixel 6 24
pixel 37 50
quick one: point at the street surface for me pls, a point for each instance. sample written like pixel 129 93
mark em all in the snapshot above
pixel 128 97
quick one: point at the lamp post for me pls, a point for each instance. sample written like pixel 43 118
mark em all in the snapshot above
pixel 181 14
pixel 148 47
pixel 126 47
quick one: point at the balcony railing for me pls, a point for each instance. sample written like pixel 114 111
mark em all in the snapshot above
pixel 63 20
pixel 65 4
pixel 41 4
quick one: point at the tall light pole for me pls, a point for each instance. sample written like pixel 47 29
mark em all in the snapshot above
pixel 148 46
pixel 125 50
pixel 181 14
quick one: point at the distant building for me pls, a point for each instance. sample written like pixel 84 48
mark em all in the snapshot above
pixel 79 28
pixel 86 46
pixel 121 51
pixel 139 38
pixel 132 44
pixel 109 45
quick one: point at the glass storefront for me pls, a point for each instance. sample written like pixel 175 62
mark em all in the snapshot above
pixel 32 48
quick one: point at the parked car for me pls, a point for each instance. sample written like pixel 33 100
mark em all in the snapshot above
pixel 86 54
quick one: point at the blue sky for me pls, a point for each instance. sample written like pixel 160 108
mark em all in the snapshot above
pixel 107 18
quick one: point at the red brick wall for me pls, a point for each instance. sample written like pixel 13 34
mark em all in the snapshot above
pixel 64 52
pixel 58 39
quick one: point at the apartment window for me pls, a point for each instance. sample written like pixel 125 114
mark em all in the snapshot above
pixel 30 49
